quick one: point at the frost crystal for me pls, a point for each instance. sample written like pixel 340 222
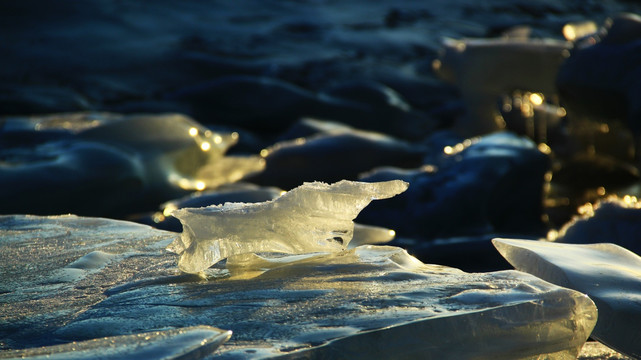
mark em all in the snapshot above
pixel 314 217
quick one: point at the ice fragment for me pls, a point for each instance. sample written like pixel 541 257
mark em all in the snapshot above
pixel 314 217
pixel 608 273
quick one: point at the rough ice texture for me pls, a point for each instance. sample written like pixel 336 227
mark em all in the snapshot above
pixel 371 302
pixel 368 302
pixel 54 268
pixel 314 217
pixel 608 273
pixel 188 343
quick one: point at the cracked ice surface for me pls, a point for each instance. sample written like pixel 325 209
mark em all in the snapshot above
pixel 367 302
pixel 313 217
pixel 608 273
pixel 364 303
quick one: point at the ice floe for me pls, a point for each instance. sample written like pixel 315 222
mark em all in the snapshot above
pixel 366 302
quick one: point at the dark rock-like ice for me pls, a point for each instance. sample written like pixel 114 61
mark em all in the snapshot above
pixel 601 80
pixel 615 220
pixel 608 273
pixel 333 156
pixel 54 164
pixel 477 186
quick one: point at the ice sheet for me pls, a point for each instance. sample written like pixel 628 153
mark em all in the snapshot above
pixel 367 302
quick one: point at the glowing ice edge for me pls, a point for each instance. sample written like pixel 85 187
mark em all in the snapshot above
pixel 314 217
pixel 193 342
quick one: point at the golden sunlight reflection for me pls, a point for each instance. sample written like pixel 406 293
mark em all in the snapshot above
pixel 575 31
pixel 218 139
pixel 200 186
pixel 452 150
pixel 563 201
pixel 193 132
pixel 586 209
pixel 205 146
pixel 552 235
pixel 158 218
pixel 169 209
pixel 544 148
pixel 630 200
pixel 264 153
pixel 600 191
pixel 436 64
pixel 536 98
pixel 184 184
pixel 428 168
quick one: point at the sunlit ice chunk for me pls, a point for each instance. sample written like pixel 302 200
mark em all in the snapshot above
pixel 608 273
pixel 314 217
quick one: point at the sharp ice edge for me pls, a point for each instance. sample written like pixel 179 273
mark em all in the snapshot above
pixel 609 274
pixel 314 217
pixel 193 342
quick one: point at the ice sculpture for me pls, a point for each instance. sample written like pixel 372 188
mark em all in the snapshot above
pixel 608 273
pixel 187 343
pixel 314 217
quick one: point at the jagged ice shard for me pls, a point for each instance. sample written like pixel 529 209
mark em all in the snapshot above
pixel 608 273
pixel 314 217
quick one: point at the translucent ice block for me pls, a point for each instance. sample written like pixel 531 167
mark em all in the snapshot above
pixel 608 273
pixel 314 217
